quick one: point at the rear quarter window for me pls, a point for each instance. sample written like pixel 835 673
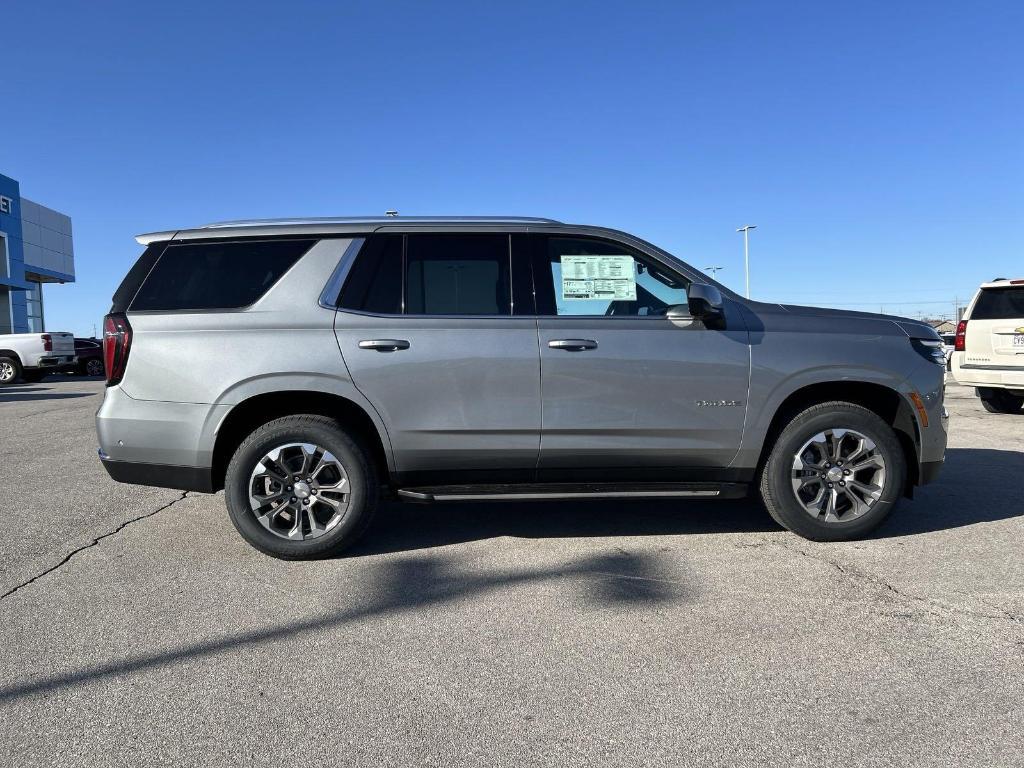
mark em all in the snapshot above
pixel 999 304
pixel 217 275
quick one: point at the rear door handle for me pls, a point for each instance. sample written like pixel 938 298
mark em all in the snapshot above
pixel 573 345
pixel 384 345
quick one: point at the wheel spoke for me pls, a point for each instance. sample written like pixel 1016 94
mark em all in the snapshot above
pixel 327 460
pixel 267 498
pixel 836 439
pixel 857 452
pixel 270 468
pixel 271 514
pixel 831 496
pixel 295 533
pixel 872 491
pixel 335 486
pixel 308 452
pixel 874 460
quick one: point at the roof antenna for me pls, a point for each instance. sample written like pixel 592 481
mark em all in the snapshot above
pixel 391 213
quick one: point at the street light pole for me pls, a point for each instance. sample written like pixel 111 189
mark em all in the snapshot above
pixel 746 251
pixel 713 271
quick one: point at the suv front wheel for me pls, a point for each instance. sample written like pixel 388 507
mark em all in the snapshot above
pixel 834 473
pixel 300 488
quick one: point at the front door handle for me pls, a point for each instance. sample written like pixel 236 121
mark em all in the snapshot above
pixel 573 345
pixel 384 345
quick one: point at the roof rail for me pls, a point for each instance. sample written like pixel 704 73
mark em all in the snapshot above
pixel 379 220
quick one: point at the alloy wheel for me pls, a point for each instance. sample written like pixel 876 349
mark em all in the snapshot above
pixel 6 372
pixel 94 367
pixel 299 491
pixel 838 475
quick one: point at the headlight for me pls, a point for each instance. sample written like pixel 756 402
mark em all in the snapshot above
pixel 930 350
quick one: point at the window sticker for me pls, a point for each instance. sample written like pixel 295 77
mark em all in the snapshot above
pixel 612 278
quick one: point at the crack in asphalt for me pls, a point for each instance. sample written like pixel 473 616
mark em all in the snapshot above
pixel 938 606
pixel 93 543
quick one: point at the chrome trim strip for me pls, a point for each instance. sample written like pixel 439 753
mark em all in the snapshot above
pixel 550 495
pixel 973 367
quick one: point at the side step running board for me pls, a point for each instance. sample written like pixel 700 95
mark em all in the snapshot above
pixel 539 491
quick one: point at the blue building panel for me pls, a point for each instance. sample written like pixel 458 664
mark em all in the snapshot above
pixel 48 239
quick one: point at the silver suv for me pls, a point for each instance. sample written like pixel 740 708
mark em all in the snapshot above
pixel 308 366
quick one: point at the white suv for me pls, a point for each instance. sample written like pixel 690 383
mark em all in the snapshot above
pixel 989 350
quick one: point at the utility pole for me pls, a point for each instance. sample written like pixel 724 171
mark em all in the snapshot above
pixel 713 271
pixel 745 229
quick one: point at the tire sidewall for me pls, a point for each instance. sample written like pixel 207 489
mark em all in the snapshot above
pixel 362 489
pixel 803 428
pixel 1001 401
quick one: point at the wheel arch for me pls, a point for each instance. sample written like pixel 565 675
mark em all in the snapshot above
pixel 11 353
pixel 249 414
pixel 880 399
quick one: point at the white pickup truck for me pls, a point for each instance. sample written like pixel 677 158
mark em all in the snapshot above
pixel 30 356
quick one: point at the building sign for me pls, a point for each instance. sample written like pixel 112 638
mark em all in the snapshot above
pixel 6 204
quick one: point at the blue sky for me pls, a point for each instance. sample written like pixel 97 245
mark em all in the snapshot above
pixel 877 146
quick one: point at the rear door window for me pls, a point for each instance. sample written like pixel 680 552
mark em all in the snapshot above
pixel 444 274
pixel 458 275
pixel 216 275
pixel 999 304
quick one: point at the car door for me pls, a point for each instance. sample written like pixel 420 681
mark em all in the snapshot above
pixel 427 330
pixel 628 393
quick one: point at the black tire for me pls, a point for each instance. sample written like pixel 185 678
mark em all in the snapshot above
pixel 10 370
pixel 321 431
pixel 776 476
pixel 1000 401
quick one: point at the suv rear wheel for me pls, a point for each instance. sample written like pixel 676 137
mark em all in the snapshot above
pixel 1000 401
pixel 300 488
pixel 834 473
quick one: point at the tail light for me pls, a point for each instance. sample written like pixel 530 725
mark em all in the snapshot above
pixel 960 342
pixel 47 343
pixel 117 343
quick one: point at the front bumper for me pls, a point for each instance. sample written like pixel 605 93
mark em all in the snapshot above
pixel 929 471
pixel 928 382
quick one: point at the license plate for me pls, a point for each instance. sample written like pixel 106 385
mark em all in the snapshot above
pixel 1018 339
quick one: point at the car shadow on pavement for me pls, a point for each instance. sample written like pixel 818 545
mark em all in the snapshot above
pixel 402 526
pixel 976 485
pixel 16 393
pixel 397 586
pixel 973 487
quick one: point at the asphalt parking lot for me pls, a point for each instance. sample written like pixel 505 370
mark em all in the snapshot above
pixel 138 628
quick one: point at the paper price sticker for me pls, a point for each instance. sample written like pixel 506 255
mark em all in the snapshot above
pixel 608 278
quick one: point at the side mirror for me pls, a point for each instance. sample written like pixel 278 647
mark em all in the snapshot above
pixel 705 304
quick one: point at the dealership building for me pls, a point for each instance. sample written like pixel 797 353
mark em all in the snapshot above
pixel 35 248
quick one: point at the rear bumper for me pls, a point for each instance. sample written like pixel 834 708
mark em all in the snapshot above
pixel 995 376
pixel 159 475
pixel 53 361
